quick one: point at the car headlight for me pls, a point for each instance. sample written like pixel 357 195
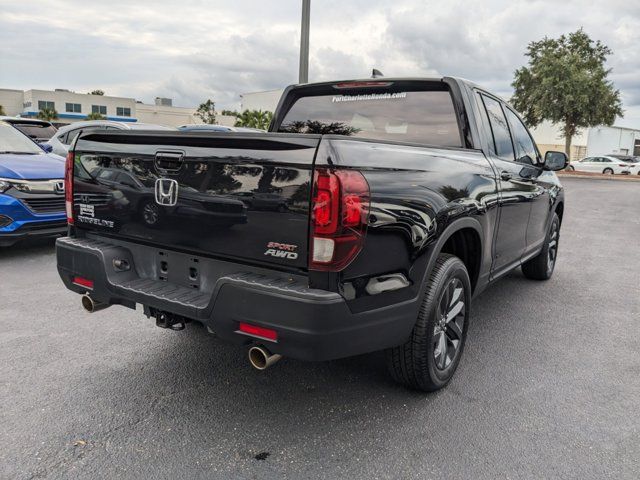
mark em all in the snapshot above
pixel 7 183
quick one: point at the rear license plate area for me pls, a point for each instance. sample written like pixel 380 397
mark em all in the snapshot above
pixel 178 269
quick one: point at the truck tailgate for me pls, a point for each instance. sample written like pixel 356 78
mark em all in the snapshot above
pixel 242 196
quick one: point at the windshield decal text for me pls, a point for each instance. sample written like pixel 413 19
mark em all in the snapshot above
pixel 369 96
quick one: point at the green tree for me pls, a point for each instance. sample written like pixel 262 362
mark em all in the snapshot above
pixel 254 119
pixel 96 92
pixel 231 113
pixel 567 83
pixel 95 116
pixel 2 110
pixel 48 114
pixel 207 111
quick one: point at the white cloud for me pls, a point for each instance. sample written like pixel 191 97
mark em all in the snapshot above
pixel 191 50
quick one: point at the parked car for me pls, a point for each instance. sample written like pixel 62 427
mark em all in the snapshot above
pixel 634 162
pixel 39 131
pixel 65 136
pixel 31 189
pixel 411 195
pixel 126 193
pixel 606 164
pixel 216 128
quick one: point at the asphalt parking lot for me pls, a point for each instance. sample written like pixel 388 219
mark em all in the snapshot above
pixel 549 385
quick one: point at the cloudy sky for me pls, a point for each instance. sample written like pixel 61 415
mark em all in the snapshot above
pixel 190 50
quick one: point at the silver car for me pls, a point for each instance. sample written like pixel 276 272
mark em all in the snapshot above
pixel 65 136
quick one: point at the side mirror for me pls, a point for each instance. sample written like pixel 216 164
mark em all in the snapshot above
pixel 555 161
pixel 46 147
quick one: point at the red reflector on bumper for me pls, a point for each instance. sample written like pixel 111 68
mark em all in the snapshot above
pixel 83 282
pixel 256 331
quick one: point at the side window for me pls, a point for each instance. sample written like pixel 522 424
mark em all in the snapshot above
pixel 499 128
pixel 71 136
pixel 605 160
pixel 525 148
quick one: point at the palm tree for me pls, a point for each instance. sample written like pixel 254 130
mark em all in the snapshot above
pixel 48 114
pixel 95 116
pixel 254 119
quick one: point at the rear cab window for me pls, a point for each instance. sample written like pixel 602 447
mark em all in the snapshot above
pixel 411 112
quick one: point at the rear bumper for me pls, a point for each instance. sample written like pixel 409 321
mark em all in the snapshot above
pixel 311 324
pixel 23 223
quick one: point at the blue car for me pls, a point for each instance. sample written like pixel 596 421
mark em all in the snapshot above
pixel 31 189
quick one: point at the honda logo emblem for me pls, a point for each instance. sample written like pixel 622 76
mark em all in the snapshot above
pixel 58 187
pixel 166 192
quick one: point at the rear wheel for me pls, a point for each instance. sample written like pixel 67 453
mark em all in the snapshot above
pixel 541 266
pixel 428 360
pixel 608 171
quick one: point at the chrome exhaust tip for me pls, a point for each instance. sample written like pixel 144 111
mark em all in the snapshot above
pixel 91 305
pixel 261 358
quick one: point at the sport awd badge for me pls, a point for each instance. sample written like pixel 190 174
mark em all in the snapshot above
pixel 282 250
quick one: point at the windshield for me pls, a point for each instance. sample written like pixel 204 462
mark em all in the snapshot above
pixel 36 131
pixel 406 116
pixel 12 141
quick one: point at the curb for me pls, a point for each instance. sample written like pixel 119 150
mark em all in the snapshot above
pixel 615 178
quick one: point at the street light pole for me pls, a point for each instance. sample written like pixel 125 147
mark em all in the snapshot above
pixel 303 76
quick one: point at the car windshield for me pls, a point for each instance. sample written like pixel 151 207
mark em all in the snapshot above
pixel 12 141
pixel 36 131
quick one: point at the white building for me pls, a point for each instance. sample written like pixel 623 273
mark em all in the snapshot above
pixel 605 140
pixel 72 107
pixel 265 101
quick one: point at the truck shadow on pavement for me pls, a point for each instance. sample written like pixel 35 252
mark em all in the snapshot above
pixel 192 383
pixel 153 388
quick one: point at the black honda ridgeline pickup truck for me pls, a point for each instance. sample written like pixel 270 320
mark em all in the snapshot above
pixel 366 219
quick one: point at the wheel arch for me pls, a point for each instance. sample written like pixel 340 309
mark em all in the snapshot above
pixel 462 238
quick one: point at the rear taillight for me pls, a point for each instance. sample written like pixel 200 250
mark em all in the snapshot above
pixel 68 187
pixel 339 216
pixel 364 84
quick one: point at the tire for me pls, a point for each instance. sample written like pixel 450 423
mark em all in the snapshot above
pixel 542 265
pixel 608 171
pixel 420 363
pixel 571 168
pixel 150 214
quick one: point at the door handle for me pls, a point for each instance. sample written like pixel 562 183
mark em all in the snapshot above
pixel 506 175
pixel 169 161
